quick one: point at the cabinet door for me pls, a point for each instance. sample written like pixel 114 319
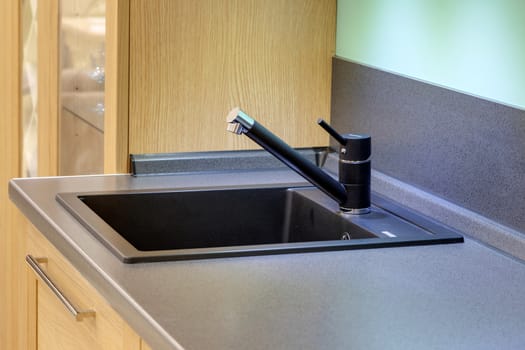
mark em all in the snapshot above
pixel 56 327
pixel 191 62
pixel 81 89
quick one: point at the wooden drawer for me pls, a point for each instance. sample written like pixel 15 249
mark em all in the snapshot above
pixel 54 325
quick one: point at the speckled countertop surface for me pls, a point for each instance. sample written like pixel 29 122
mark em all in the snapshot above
pixel 459 296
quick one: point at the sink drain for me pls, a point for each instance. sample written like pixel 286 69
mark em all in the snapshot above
pixel 346 236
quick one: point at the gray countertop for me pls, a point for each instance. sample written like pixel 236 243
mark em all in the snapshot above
pixel 458 296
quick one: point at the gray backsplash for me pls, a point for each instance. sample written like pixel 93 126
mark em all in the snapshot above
pixel 462 148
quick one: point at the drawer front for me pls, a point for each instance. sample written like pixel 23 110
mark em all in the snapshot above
pixel 56 326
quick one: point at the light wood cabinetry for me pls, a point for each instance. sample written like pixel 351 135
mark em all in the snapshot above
pixel 12 302
pixel 191 62
pixel 116 88
pixel 174 68
pixel 53 325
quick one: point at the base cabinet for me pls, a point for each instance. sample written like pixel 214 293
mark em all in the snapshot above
pixel 53 325
pixel 57 329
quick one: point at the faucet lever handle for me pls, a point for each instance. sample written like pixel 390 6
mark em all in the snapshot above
pixel 337 136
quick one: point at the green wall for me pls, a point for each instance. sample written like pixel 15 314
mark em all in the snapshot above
pixel 474 46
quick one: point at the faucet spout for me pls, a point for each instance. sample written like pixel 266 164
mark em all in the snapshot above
pixel 240 123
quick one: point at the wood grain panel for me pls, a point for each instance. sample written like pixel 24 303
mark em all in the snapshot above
pixel 192 61
pixel 12 241
pixel 116 87
pixel 48 66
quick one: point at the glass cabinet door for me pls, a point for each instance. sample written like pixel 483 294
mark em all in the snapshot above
pixel 81 85
pixel 81 77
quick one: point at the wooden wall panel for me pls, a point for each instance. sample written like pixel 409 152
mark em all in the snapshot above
pixel 116 87
pixel 48 105
pixel 12 241
pixel 192 61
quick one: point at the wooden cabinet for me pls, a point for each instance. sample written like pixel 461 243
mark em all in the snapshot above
pixel 12 302
pixel 191 62
pixel 175 68
pixel 52 324
pixel 81 87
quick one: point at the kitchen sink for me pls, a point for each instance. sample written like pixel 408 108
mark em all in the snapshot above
pixel 196 223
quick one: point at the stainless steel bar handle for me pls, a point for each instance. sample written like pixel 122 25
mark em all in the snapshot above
pixel 34 264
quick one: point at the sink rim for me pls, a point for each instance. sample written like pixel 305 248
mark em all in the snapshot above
pixel 127 253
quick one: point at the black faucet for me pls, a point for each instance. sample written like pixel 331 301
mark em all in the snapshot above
pixel 352 192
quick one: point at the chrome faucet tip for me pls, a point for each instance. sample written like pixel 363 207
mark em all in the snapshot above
pixel 232 114
pixel 235 128
pixel 238 121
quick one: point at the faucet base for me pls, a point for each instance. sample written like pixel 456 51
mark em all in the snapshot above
pixel 354 211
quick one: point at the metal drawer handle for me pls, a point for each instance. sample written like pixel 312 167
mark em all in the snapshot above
pixel 33 263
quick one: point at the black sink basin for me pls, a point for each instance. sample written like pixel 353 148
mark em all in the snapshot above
pixel 203 223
